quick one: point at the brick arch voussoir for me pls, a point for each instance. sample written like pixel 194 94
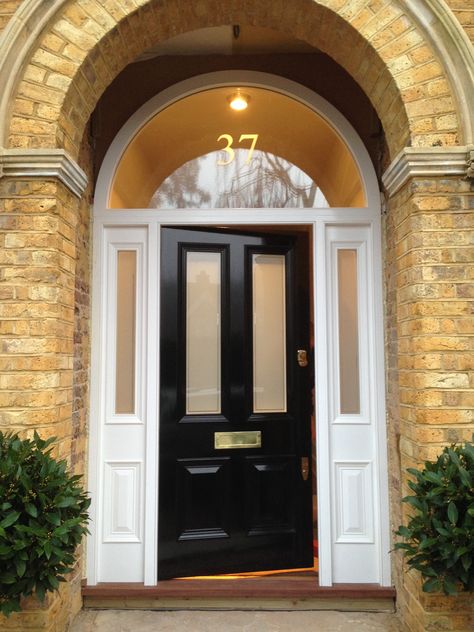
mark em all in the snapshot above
pixel 375 42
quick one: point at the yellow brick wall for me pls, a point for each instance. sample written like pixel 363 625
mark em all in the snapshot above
pixel 38 233
pixel 464 11
pixel 429 271
pixel 37 289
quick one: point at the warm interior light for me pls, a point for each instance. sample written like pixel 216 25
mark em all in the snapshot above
pixel 238 101
pixel 255 574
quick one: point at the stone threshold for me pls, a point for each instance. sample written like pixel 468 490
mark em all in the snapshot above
pixel 260 593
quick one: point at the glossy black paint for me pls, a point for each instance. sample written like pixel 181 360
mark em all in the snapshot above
pixel 237 510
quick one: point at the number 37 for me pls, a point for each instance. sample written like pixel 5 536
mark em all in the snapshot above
pixel 230 151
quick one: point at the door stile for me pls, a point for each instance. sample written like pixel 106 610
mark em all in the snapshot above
pixel 321 388
pixel 152 408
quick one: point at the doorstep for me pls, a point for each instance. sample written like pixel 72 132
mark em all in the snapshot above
pixel 260 593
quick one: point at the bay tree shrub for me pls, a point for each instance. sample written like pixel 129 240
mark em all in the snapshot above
pixel 439 536
pixel 43 516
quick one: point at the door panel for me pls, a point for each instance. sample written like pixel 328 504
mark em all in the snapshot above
pixel 238 506
pixel 269 484
pixel 203 489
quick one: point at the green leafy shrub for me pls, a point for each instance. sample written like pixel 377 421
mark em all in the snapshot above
pixel 43 516
pixel 440 535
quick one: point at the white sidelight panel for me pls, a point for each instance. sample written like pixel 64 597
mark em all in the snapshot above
pixel 355 392
pixel 120 361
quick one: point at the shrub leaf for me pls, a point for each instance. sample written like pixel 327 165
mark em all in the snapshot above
pixel 452 513
pixel 10 519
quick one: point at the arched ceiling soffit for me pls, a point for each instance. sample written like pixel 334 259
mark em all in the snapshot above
pixel 86 43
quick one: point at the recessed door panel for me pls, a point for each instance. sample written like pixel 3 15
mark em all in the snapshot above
pixel 269 484
pixel 234 404
pixel 203 488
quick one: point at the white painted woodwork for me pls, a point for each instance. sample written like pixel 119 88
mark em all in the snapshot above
pixel 353 446
pixel 353 526
pixel 118 517
pixel 122 506
pixel 354 513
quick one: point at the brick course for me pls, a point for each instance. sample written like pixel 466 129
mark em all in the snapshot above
pixel 375 41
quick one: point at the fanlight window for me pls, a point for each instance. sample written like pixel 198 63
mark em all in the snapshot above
pixel 200 153
pixel 268 181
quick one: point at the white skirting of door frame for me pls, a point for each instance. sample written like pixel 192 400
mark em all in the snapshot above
pixel 352 481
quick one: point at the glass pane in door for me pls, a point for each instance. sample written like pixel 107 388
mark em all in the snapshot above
pixel 203 333
pixel 269 333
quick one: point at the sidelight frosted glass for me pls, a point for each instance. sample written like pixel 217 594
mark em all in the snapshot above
pixel 203 333
pixel 348 332
pixel 269 334
pixel 125 348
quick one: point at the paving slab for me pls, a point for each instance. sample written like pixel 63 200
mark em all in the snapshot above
pixel 232 621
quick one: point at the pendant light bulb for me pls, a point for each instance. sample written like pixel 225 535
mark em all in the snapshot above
pixel 238 101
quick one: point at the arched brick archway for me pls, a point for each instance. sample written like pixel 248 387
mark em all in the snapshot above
pixel 52 82
pixel 87 43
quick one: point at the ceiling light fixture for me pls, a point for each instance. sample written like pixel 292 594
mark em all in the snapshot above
pixel 238 101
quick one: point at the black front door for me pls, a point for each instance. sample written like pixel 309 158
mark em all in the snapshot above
pixel 235 451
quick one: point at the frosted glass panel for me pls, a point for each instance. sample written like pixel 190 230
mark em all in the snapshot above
pixel 348 332
pixel 125 348
pixel 203 333
pixel 269 334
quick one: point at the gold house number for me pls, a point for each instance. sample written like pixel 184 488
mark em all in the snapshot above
pixel 230 151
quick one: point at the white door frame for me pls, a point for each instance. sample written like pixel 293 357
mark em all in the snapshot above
pixel 323 221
